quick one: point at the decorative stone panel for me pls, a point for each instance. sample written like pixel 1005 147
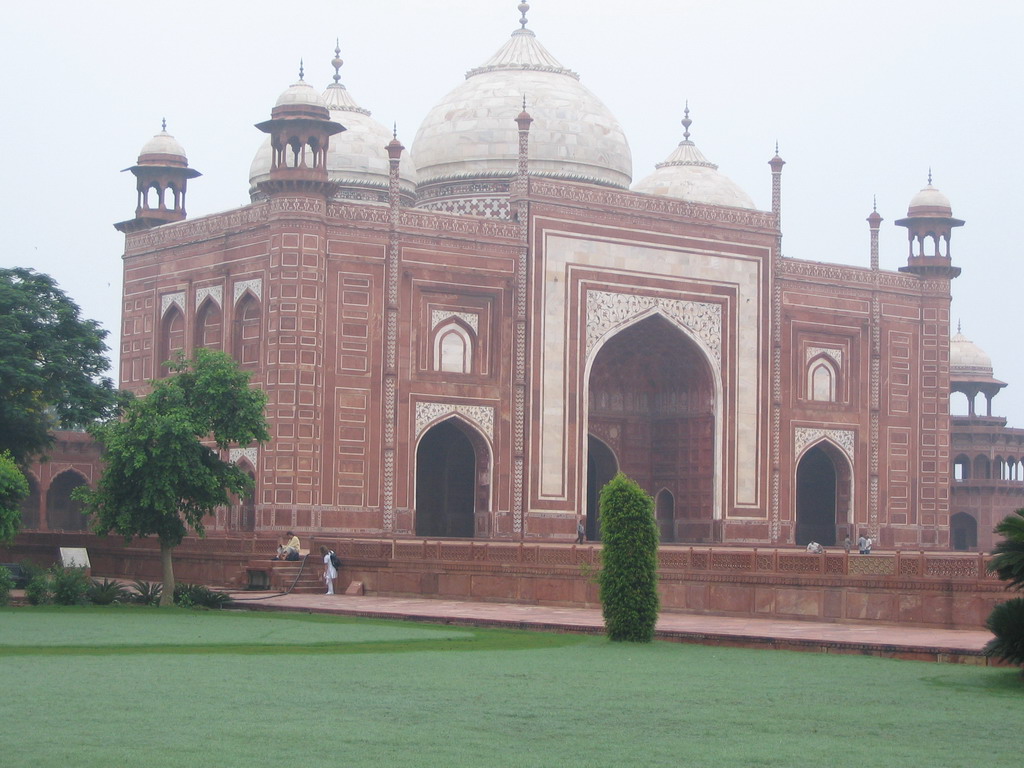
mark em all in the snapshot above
pixel 480 415
pixel 438 316
pixel 256 286
pixel 215 292
pixel 172 298
pixel 805 436
pixel 606 311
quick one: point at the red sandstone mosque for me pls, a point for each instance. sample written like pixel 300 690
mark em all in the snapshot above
pixel 468 338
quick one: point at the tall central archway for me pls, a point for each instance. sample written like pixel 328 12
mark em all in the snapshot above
pixel 452 491
pixel 651 386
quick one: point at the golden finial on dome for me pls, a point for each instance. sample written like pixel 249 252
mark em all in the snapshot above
pixel 687 122
pixel 523 8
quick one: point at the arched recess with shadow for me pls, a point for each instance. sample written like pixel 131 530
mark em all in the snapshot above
pixel 62 512
pixel 452 482
pixel 601 467
pixel 665 512
pixel 823 490
pixel 248 330
pixel 172 338
pixel 655 388
pixel 247 504
pixel 209 325
pixel 963 531
pixel 30 505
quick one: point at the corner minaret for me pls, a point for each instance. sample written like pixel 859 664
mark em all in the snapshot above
pixel 930 224
pixel 161 175
pixel 300 129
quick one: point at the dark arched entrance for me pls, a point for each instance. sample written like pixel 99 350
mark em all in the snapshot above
pixel 601 467
pixel 822 495
pixel 651 389
pixel 963 531
pixel 62 512
pixel 450 499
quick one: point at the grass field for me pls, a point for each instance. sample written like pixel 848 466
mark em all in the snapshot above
pixel 146 687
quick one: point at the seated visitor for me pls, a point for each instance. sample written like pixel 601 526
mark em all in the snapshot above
pixel 289 549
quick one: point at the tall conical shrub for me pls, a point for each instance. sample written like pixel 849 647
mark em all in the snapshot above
pixel 629 561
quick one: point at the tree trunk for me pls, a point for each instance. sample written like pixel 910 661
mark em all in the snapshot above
pixel 167 596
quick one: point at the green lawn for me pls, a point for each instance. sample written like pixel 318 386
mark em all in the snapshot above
pixel 154 688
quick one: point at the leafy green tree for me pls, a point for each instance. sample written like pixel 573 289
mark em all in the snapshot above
pixel 629 561
pixel 51 364
pixel 1006 621
pixel 160 476
pixel 13 488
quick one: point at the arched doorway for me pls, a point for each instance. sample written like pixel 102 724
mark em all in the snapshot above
pixel 963 531
pixel 601 467
pixel 822 495
pixel 452 490
pixel 62 512
pixel 30 505
pixel 653 387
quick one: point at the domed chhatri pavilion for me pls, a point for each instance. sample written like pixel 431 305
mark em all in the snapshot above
pixel 469 338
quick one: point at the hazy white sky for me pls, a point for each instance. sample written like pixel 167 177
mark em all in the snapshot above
pixel 863 98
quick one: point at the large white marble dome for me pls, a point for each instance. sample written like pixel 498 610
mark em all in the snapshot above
pixel 472 134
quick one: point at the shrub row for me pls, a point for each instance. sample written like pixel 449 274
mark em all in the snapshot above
pixel 70 586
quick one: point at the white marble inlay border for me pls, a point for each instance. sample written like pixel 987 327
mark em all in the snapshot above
pixel 480 415
pixel 215 292
pixel 438 316
pixel 256 286
pixel 172 298
pixel 835 354
pixel 804 436
pixel 607 310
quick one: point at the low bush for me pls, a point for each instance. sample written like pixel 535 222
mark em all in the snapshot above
pixel 70 585
pixel 1006 622
pixel 146 592
pixel 6 585
pixel 199 596
pixel 39 590
pixel 107 592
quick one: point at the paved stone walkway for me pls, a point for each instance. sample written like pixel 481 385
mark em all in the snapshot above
pixel 947 645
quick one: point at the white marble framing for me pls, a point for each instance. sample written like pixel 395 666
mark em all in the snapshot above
pixel 251 453
pixel 438 316
pixel 835 354
pixel 739 389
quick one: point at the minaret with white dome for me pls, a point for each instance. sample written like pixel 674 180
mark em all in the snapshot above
pixel 357 160
pixel 930 225
pixel 300 129
pixel 162 175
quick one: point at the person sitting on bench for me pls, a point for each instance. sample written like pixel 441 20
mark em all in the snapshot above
pixel 290 549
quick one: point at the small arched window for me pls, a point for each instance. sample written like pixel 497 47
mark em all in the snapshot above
pixel 453 348
pixel 821 380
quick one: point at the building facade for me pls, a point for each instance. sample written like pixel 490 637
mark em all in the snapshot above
pixel 470 338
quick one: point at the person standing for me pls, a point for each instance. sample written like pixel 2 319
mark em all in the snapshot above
pixel 862 544
pixel 330 572
pixel 847 544
pixel 868 542
pixel 580 531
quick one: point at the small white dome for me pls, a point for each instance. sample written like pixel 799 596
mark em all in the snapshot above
pixel 967 360
pixel 687 175
pixel 162 144
pixel 472 133
pixel 929 202
pixel 300 93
